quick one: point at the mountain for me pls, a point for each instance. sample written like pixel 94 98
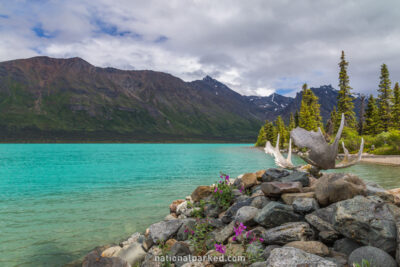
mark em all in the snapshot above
pixel 48 99
pixel 67 100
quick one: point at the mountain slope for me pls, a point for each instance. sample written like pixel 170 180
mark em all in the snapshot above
pixel 44 98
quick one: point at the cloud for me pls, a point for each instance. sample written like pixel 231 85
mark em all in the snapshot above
pixel 256 47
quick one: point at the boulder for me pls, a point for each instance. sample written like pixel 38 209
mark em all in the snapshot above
pixel 289 198
pixel 179 249
pixel 151 261
pixel 334 187
pixel 221 235
pixel 258 264
pixel 135 237
pixel 163 230
pixel 313 247
pixel 328 237
pixel 231 212
pixel 201 192
pixel 345 246
pixel 211 210
pixel 288 256
pixel 174 205
pixel 184 209
pixel 275 189
pixel 132 254
pixel 297 176
pixel 111 252
pixel 275 214
pixel 289 232
pixel 183 232
pixel 259 202
pixel 104 262
pixel 274 175
pixel 305 205
pixel 259 174
pixel 248 180
pixel 147 243
pixel 396 216
pixel 267 251
pixel 375 256
pixel 246 215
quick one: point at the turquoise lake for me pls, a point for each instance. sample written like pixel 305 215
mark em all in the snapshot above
pixel 59 201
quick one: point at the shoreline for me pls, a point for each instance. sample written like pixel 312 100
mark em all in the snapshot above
pixel 271 198
pixel 388 160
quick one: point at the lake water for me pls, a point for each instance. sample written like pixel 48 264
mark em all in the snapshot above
pixel 59 201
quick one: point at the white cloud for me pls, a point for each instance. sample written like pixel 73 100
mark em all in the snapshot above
pixel 254 47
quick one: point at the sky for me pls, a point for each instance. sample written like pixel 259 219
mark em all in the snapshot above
pixel 256 47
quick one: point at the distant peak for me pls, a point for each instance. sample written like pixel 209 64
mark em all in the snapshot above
pixel 208 78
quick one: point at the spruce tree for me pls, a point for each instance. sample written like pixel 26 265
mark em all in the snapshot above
pixel 261 139
pixel 396 107
pixel 310 118
pixel 270 132
pixel 344 100
pixel 282 131
pixel 385 99
pixel 296 118
pixel 371 117
pixel 361 119
pixel 330 125
pixel 292 123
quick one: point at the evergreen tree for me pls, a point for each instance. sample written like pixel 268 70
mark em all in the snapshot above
pixel 385 99
pixel 330 125
pixel 371 117
pixel 396 107
pixel 282 131
pixel 261 139
pixel 292 123
pixel 296 118
pixel 270 132
pixel 310 118
pixel 361 119
pixel 344 101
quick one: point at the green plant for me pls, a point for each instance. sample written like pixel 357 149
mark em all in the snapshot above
pixel 222 195
pixel 364 263
pixel 198 211
pixel 199 235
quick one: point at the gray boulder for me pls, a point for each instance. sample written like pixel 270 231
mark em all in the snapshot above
pixel 267 251
pixel 132 254
pixel 297 176
pixel 274 175
pixel 179 249
pixel 163 230
pixel 231 212
pixel 183 233
pixel 211 210
pixel 289 232
pixel 94 259
pixel 246 215
pixel 259 202
pixel 288 256
pixel 345 246
pixel 305 205
pixel 221 235
pixel 375 256
pixel 275 213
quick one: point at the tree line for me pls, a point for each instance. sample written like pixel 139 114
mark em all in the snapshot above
pixel 378 122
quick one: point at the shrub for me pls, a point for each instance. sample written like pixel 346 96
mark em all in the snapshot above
pixel 222 194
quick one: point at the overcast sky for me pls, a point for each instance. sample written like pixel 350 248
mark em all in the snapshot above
pixel 255 47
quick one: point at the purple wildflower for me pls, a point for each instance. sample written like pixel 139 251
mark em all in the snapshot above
pixel 220 191
pixel 227 178
pixel 238 230
pixel 261 239
pixel 220 248
pixel 186 230
pixel 215 189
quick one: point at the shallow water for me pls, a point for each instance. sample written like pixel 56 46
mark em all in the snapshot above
pixel 59 201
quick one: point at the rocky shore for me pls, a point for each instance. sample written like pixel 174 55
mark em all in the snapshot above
pixel 273 218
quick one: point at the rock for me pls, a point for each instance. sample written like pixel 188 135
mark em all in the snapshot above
pixel 396 216
pixel 246 215
pixel 275 189
pixel 111 252
pixel 288 256
pixel 259 201
pixel 274 175
pixel 258 264
pixel 367 221
pixel 170 217
pixel 305 205
pixel 328 237
pixel 163 230
pixel 221 235
pixel 334 187
pixel 297 176
pixel 216 223
pixel 375 256
pixel 313 247
pixel 339 258
pixel 184 209
pixel 248 180
pixel 242 198
pixel 201 192
pixel 231 212
pixel 396 195
pixel 194 264
pixel 132 254
pixel 289 198
pixel 182 234
pixel 136 237
pixel 237 182
pixel 91 261
pixel 236 193
pixel 275 213
pixel 147 243
pixel 211 210
pixel 267 251
pixel 174 205
pixel 259 174
pixel 289 232
pixel 169 243
pixel 320 224
pixel 151 261
pixel 345 246
pixel 179 249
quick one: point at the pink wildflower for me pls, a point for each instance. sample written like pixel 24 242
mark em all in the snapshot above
pixel 220 248
pixel 220 191
pixel 215 189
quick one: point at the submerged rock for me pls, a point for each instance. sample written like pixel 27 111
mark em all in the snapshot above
pixel 375 256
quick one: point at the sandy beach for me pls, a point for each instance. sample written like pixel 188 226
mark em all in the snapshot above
pixel 381 159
